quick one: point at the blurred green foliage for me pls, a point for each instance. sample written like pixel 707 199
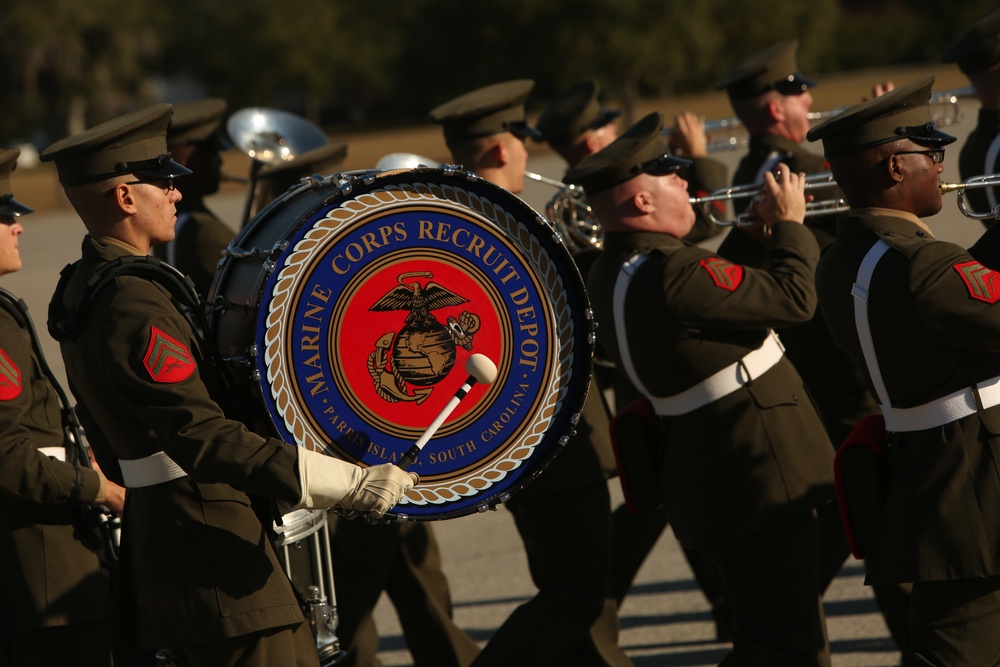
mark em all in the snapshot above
pixel 340 62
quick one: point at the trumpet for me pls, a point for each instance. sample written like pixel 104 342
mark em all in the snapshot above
pixel 571 215
pixel 985 181
pixel 813 208
pixel 730 134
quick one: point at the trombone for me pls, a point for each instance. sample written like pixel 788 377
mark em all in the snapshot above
pixel 986 181
pixel 730 134
pixel 815 207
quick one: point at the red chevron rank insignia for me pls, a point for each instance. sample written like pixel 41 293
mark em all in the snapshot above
pixel 10 378
pixel 981 281
pixel 724 273
pixel 167 360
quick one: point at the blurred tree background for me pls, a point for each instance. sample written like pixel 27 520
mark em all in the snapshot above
pixel 65 64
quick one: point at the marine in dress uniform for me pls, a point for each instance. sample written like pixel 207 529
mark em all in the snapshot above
pixel 977 54
pixel 194 140
pixel 56 603
pixel 577 125
pixel 918 315
pixel 771 96
pixel 693 333
pixel 402 559
pixel 568 552
pixel 198 573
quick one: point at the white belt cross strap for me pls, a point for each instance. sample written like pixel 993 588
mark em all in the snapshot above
pixel 936 413
pixel 719 384
pixel 150 470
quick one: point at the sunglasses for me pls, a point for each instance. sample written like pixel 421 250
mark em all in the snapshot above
pixel 935 154
pixel 166 184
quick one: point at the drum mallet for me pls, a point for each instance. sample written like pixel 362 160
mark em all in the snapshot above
pixel 480 369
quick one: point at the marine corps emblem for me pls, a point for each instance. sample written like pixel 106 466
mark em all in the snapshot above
pixel 423 351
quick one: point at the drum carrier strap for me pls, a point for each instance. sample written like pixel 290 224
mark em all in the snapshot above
pixel 64 325
pixel 938 412
pixel 719 384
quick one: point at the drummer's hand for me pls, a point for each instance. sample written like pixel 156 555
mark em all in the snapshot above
pixel 379 490
pixel 781 198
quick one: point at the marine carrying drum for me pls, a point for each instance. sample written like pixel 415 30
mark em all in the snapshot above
pixel 349 305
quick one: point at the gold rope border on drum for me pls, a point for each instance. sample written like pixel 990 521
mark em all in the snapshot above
pixel 558 375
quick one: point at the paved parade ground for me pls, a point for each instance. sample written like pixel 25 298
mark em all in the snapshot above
pixel 665 621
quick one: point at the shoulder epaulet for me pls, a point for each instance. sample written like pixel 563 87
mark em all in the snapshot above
pixel 907 245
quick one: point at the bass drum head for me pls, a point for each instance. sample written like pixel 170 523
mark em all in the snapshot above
pixel 365 320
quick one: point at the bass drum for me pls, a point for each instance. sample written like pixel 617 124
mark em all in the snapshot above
pixel 350 304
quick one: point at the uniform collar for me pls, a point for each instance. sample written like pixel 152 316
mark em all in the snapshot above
pixel 885 219
pixel 108 248
pixel 773 142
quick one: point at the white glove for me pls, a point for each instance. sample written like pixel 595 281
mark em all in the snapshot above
pixel 327 481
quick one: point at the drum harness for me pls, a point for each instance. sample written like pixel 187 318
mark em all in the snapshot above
pixel 98 526
pixel 719 384
pixel 65 325
pixel 932 414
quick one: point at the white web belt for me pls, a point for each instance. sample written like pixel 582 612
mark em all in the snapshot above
pixel 938 412
pixel 150 470
pixel 719 384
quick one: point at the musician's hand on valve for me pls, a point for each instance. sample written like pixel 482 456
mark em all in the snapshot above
pixel 782 197
pixel 328 482
pixel 688 138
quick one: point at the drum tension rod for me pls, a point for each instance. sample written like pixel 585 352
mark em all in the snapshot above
pixel 257 253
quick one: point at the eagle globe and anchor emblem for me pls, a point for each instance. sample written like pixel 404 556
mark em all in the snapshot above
pixel 405 364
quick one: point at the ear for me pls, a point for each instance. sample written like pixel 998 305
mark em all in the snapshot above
pixel 124 198
pixel 895 170
pixel 499 154
pixel 643 201
pixel 776 110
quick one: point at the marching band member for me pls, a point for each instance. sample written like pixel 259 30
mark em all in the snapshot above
pixel 918 315
pixel 198 575
pixel 692 332
pixel 56 604
pixel 977 53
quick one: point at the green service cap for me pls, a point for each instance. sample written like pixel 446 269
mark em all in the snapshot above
pixel 9 205
pixel 573 113
pixel 195 122
pixel 977 48
pixel 640 149
pixel 902 113
pixel 131 144
pixel 486 111
pixel 774 68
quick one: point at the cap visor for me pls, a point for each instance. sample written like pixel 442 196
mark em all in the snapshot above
pixel 14 207
pixel 170 169
pixel 934 138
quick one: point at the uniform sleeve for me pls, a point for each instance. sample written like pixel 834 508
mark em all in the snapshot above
pixel 956 295
pixel 709 290
pixel 149 361
pixel 26 424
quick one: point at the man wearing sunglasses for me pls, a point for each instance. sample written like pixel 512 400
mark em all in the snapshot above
pixel 919 315
pixel 568 554
pixel 199 575
pixel 692 332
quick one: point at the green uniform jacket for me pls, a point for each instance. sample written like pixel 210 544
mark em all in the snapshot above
pixel 197 565
pixel 758 455
pixel 932 336
pixel 48 577
pixel 972 159
pixel 197 248
pixel 834 381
